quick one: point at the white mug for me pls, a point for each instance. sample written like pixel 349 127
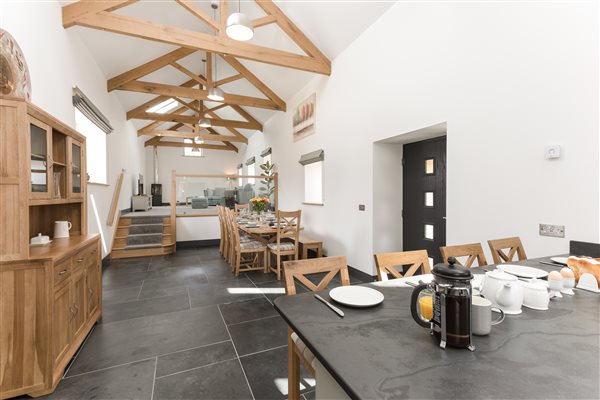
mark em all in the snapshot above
pixel 481 316
pixel 61 229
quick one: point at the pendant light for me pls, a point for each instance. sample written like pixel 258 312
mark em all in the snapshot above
pixel 204 123
pixel 215 93
pixel 239 26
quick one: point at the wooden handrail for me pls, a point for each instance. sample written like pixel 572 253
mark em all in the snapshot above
pixel 115 200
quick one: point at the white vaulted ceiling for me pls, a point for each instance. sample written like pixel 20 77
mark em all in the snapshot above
pixel 330 25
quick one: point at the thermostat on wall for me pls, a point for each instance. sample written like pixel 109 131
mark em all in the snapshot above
pixel 552 151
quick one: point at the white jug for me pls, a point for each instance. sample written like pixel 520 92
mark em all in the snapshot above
pixel 61 229
pixel 503 290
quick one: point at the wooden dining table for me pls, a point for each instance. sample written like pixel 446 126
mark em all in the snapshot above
pixel 381 353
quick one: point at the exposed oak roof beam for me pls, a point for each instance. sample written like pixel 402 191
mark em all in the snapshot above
pixel 192 119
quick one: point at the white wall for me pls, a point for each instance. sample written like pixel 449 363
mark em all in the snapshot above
pixel 509 78
pixel 57 61
pixel 387 197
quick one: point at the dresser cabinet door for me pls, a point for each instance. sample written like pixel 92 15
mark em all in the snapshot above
pixel 79 301
pixel 92 277
pixel 61 325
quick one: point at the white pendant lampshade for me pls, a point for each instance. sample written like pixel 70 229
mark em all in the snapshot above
pixel 204 123
pixel 216 94
pixel 239 27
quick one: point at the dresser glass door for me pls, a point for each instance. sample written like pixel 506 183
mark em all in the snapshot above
pixel 39 159
pixel 76 168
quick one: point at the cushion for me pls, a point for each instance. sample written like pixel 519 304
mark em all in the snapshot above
pixel 302 349
pixel 252 244
pixel 283 246
pixel 199 202
pixel 245 238
pixel 219 192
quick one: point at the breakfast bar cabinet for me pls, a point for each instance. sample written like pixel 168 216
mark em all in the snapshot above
pixel 50 295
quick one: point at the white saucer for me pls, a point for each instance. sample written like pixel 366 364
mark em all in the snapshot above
pixel 356 296
pixel 524 271
pixel 559 260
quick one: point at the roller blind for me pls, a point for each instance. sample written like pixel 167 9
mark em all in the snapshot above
pixel 87 108
pixel 265 152
pixel 312 157
pixel 251 160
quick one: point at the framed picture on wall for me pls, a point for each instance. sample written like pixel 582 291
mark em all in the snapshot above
pixel 303 123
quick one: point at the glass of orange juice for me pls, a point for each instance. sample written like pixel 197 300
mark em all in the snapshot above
pixel 426 305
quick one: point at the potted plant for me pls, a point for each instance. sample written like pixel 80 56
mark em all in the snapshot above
pixel 268 170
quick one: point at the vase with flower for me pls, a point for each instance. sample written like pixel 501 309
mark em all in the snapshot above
pixel 259 204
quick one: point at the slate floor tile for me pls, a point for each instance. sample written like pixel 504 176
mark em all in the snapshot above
pixel 194 358
pixel 223 292
pixel 267 374
pixel 223 380
pixel 143 308
pixel 120 295
pixel 139 338
pixel 173 277
pixel 149 292
pixel 263 334
pixel 129 381
pixel 242 311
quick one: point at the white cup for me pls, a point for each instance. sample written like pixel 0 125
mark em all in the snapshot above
pixel 481 316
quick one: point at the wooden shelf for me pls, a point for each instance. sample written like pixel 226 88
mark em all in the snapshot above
pixel 55 163
pixel 41 202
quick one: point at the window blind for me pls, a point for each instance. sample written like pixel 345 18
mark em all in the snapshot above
pixel 87 108
pixel 312 157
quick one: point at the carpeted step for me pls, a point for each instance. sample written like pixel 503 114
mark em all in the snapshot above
pixel 144 238
pixel 142 246
pixel 145 228
pixel 145 220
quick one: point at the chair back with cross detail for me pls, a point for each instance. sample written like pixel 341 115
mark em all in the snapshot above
pixel 513 245
pixel 472 252
pixel 388 263
pixel 288 228
pixel 298 270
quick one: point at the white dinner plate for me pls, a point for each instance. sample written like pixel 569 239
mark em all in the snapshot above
pixel 559 260
pixel 523 271
pixel 356 296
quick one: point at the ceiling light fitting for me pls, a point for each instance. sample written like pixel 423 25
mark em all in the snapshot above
pixel 204 123
pixel 214 93
pixel 239 26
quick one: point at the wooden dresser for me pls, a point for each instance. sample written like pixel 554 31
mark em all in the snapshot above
pixel 50 296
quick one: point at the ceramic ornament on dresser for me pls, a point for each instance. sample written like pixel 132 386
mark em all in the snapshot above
pixel 14 74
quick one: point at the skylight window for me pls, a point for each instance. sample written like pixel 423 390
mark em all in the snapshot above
pixel 163 107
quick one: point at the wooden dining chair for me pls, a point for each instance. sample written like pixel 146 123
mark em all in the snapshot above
pixel 297 271
pixel 472 251
pixel 288 232
pixel 513 245
pixel 223 248
pixel 388 263
pixel 246 254
pixel 239 207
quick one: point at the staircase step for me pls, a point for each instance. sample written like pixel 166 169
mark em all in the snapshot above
pixel 143 246
pixel 150 228
pixel 145 220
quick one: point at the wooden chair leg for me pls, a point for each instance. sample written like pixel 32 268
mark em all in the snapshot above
pixel 320 251
pixel 304 252
pixel 238 260
pixel 278 266
pixel 293 370
pixel 265 255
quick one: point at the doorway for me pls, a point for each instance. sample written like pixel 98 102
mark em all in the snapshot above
pixel 424 196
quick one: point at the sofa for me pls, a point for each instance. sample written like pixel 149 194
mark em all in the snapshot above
pixel 215 197
pixel 199 202
pixel 244 194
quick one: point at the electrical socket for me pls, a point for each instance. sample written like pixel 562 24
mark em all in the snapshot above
pixel 552 230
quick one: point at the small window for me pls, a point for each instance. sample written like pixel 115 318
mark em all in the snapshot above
pixel 430 166
pixel 251 171
pixel 428 199
pixel 240 172
pixel 313 176
pixel 428 232
pixel 95 142
pixel 194 150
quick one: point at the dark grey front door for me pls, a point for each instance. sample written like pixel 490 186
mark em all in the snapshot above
pixel 424 196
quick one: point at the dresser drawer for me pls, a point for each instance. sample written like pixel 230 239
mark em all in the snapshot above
pixel 86 256
pixel 62 270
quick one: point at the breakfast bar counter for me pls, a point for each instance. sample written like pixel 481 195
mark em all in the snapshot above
pixel 381 353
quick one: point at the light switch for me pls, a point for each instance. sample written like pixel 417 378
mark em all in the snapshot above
pixel 552 151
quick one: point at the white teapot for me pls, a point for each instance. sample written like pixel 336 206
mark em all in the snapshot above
pixel 503 290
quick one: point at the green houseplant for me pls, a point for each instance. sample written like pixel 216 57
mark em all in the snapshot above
pixel 268 170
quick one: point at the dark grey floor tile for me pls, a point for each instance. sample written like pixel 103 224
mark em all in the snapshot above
pixel 143 308
pixel 113 278
pixel 194 358
pixel 267 374
pixel 120 295
pixel 263 334
pixel 242 311
pixel 223 380
pixel 130 381
pixel 260 277
pixel 312 395
pixel 172 277
pixel 148 292
pixel 139 338
pixel 129 262
pixel 275 289
pixel 190 260
pixel 209 253
pixel 223 292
